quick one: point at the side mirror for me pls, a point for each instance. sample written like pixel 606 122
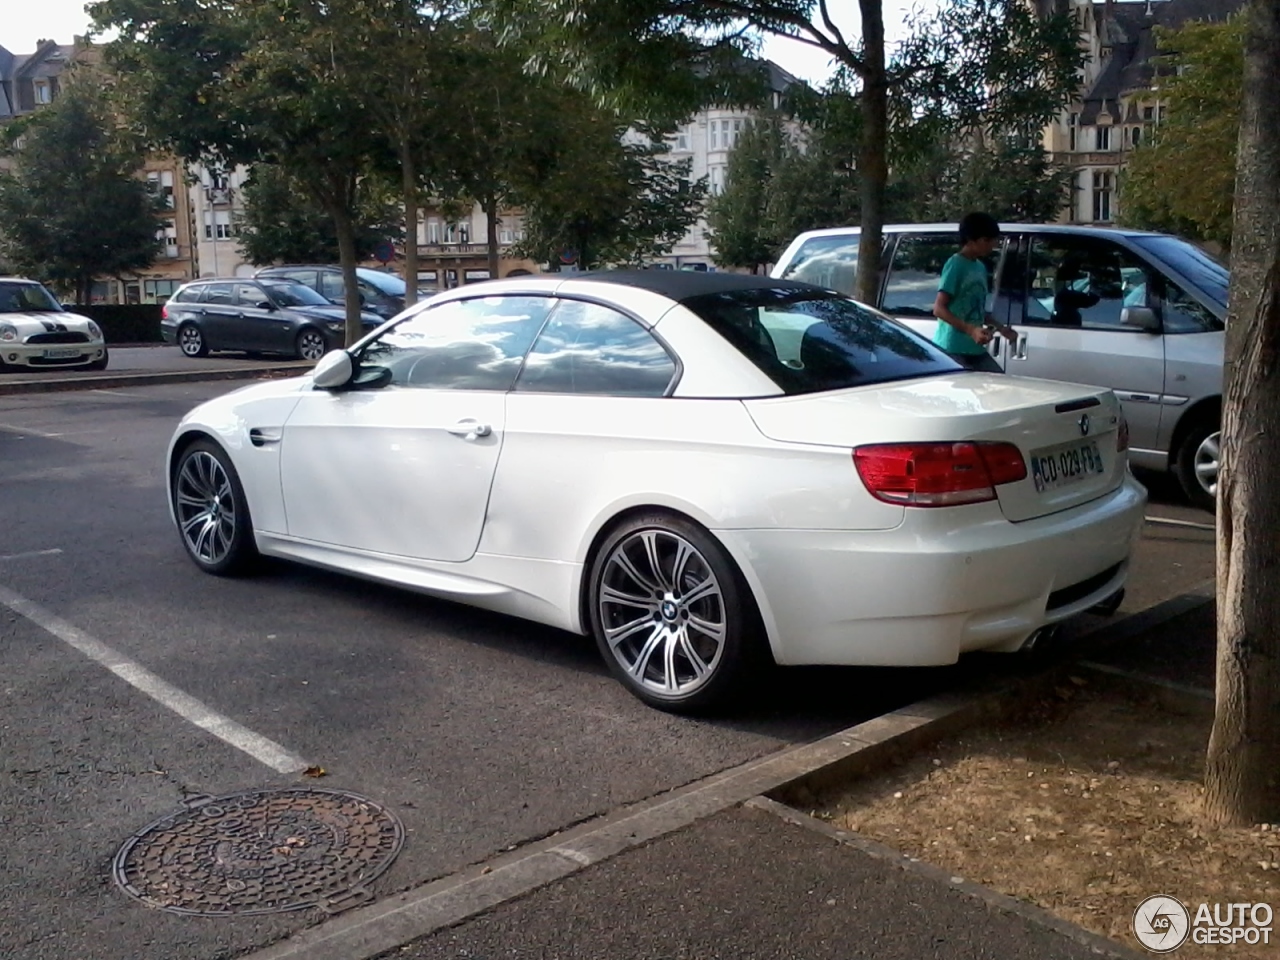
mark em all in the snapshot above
pixel 265 305
pixel 333 372
pixel 1144 318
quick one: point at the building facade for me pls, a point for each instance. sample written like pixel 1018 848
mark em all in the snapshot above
pixel 1119 103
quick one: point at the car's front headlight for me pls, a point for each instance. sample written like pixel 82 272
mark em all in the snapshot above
pixel 95 331
pixel 8 332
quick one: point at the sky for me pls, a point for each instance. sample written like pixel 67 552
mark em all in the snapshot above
pixel 25 22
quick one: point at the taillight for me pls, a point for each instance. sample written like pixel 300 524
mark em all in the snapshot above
pixel 1122 435
pixel 938 474
pixel 164 311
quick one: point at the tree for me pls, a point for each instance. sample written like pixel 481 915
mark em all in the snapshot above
pixel 1242 770
pixel 991 60
pixel 1181 180
pixel 739 216
pixel 74 207
pixel 250 82
pixel 282 224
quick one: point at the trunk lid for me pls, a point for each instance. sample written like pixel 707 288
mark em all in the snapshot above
pixel 1067 433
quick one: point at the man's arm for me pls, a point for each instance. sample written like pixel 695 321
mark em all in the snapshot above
pixel 942 310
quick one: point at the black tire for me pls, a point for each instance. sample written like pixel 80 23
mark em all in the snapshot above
pixel 1196 460
pixel 204 489
pixel 101 362
pixel 310 344
pixel 662 620
pixel 191 341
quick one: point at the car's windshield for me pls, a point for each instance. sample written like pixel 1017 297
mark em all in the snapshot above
pixel 1206 273
pixel 811 341
pixel 26 297
pixel 287 293
pixel 387 283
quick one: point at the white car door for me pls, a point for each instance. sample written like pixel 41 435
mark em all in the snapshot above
pixel 406 468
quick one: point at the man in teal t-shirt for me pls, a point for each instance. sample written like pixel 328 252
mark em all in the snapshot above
pixel 961 304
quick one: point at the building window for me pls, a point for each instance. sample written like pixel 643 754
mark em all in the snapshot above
pixel 1104 138
pixel 217 225
pixel 158 291
pixel 716 174
pixel 506 235
pixel 44 93
pixel 168 235
pixel 433 231
pixel 1148 113
pixel 1136 136
pixel 737 129
pixel 715 135
pixel 1103 187
pixel 160 182
pixel 1073 131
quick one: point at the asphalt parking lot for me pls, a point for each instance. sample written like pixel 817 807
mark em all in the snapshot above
pixel 480 732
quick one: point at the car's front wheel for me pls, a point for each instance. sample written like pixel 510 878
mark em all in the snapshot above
pixel 211 510
pixel 672 616
pixel 311 344
pixel 1198 461
pixel 191 340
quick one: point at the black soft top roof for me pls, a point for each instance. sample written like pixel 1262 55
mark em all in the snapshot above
pixel 681 285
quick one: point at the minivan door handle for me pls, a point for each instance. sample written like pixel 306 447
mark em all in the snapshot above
pixel 470 429
pixel 1020 351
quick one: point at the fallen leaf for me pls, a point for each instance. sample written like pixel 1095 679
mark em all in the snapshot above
pixel 314 772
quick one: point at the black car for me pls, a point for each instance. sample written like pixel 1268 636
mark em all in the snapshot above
pixel 265 315
pixel 381 293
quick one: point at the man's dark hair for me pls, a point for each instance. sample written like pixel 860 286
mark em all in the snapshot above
pixel 978 226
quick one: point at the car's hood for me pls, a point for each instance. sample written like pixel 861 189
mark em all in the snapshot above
pixel 45 321
pixel 336 313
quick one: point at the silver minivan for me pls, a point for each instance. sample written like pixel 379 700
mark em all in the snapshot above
pixel 1142 313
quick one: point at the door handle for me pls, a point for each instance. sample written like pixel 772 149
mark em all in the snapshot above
pixel 260 437
pixel 1020 352
pixel 470 429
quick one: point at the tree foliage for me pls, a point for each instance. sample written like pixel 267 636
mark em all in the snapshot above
pixel 281 223
pixel 1181 180
pixel 73 207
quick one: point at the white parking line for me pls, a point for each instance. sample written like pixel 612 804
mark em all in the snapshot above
pixel 28 431
pixel 186 706
pixel 30 553
pixel 1170 521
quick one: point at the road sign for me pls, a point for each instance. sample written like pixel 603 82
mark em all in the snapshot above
pixel 384 252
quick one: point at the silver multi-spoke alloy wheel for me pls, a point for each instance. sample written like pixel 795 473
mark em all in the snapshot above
pixel 191 340
pixel 311 345
pixel 1208 460
pixel 205 502
pixel 662 611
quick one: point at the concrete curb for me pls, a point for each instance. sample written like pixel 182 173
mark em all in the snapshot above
pixel 108 381
pixel 1033 914
pixel 367 931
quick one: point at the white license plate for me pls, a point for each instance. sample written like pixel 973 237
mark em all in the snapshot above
pixel 62 353
pixel 1065 464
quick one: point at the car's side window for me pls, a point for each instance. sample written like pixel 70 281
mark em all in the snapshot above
pixel 1083 282
pixel 220 293
pixel 830 262
pixel 586 348
pixel 186 295
pixel 474 344
pixel 331 286
pixel 249 294
pixel 1180 313
pixel 916 272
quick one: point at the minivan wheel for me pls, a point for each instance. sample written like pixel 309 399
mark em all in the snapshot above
pixel 1199 459
pixel 672 616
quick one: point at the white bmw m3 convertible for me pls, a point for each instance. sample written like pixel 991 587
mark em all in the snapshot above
pixel 702 470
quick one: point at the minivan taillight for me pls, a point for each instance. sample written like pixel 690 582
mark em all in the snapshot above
pixel 164 312
pixel 938 474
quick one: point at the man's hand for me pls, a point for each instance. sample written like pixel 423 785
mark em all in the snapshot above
pixel 981 335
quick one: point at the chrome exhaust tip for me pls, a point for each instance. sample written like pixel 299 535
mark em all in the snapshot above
pixel 1040 641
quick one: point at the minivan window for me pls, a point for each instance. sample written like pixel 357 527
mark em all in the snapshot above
pixel 806 342
pixel 1082 282
pixel 916 272
pixel 1206 273
pixel 830 262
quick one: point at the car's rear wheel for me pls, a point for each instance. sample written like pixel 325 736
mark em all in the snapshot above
pixel 310 344
pixel 672 615
pixel 211 510
pixel 1198 461
pixel 191 341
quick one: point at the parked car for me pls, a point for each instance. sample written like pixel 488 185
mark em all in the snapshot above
pixel 1142 313
pixel 37 332
pixel 703 470
pixel 381 293
pixel 258 316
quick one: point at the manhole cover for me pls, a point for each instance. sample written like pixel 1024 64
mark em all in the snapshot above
pixel 267 851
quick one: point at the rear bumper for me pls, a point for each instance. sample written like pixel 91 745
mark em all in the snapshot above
pixel 943 583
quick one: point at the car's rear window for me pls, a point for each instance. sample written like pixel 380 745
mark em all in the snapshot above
pixel 807 342
pixel 830 261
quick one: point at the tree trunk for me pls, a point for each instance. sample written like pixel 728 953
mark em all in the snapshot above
pixel 409 182
pixel 1242 770
pixel 873 168
pixel 491 225
pixel 347 258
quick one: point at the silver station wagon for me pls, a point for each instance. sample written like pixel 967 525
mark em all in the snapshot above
pixel 1141 313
